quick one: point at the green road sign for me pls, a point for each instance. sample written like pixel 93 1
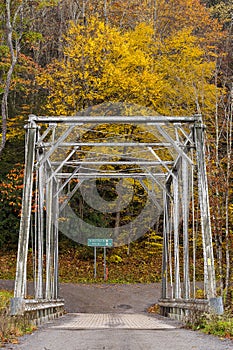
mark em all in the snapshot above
pixel 100 242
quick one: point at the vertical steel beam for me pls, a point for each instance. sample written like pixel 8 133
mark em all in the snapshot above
pixel 166 230
pixel 185 212
pixel 49 237
pixel 40 231
pixel 205 212
pixel 55 253
pixel 176 236
pixel 21 268
pixel 34 237
pixel 194 233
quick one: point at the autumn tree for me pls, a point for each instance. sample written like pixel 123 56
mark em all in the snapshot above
pixel 14 48
pixel 16 35
pixel 220 148
pixel 103 63
pixel 10 207
pixel 172 56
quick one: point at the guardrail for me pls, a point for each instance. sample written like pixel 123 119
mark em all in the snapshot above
pixel 38 311
pixel 180 308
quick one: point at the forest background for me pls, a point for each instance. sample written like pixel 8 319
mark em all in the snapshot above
pixel 59 57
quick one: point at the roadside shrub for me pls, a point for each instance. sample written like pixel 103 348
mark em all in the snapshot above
pixel 221 326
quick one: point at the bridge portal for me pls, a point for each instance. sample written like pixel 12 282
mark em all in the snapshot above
pixel 163 156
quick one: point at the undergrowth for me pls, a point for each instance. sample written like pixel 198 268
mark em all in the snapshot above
pixel 11 327
pixel 76 265
pixel 218 325
pixel 139 266
pixel 139 262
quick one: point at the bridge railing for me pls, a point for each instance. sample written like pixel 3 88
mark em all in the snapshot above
pixel 180 309
pixel 38 311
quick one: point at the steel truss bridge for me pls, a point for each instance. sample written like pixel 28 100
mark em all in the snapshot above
pixel 165 155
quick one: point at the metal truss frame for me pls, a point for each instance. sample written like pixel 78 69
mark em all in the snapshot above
pixel 47 176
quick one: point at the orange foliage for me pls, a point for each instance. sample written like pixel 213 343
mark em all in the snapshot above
pixel 11 189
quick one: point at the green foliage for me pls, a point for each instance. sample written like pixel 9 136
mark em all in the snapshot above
pixel 5 298
pixel 47 3
pixel 4 50
pixel 221 326
pixel 32 37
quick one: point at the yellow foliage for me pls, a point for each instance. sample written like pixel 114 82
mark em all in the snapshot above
pixel 103 63
pixel 188 75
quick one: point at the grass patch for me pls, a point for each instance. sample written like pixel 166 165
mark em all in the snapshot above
pixel 11 327
pixel 218 325
pixel 221 326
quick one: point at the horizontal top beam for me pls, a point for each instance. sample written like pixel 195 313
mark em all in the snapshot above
pixel 90 175
pixel 114 119
pixel 108 144
pixel 120 162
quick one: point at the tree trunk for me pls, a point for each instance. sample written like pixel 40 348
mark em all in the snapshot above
pixel 154 14
pixel 14 56
pixel 105 12
pixel 228 176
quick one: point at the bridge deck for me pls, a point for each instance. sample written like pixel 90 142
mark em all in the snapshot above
pixel 113 320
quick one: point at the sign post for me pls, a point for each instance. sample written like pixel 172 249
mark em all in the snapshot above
pixel 105 263
pixel 94 262
pixel 100 242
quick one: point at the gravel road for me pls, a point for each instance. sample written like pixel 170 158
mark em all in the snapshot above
pixel 119 302
pixel 49 337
